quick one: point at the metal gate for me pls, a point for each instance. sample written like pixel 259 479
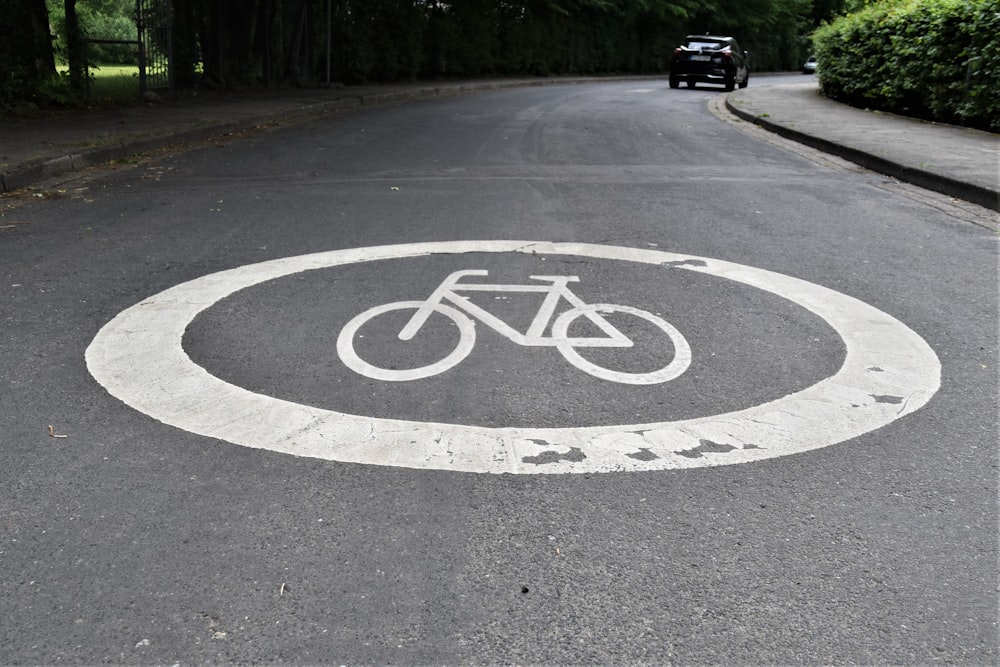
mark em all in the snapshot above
pixel 153 20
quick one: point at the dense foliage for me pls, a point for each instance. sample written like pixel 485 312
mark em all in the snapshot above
pixel 269 41
pixel 935 59
pixel 99 20
pixel 237 43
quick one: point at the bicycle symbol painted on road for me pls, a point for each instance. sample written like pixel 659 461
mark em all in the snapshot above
pixel 888 372
pixel 556 289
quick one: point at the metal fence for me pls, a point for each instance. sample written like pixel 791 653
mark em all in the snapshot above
pixel 153 20
pixel 152 43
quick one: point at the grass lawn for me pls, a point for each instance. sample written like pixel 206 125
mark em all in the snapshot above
pixel 111 84
pixel 114 83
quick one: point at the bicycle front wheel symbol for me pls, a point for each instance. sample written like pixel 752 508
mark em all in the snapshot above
pixel 568 345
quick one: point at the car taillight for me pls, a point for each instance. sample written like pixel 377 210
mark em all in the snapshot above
pixel 728 55
pixel 677 51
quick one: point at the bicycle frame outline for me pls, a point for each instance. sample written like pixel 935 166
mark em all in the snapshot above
pixel 554 292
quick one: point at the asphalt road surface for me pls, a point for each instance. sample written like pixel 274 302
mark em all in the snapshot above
pixel 724 400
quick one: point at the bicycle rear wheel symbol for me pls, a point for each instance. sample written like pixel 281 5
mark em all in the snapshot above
pixel 461 312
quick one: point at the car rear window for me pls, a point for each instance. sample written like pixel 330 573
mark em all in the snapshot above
pixel 705 45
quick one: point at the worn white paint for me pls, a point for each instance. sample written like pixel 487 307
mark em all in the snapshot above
pixel 888 372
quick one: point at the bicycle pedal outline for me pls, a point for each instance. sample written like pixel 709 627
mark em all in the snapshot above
pixel 462 311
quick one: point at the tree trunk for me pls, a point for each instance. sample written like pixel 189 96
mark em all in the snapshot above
pixel 76 50
pixel 41 37
pixel 187 21
pixel 26 59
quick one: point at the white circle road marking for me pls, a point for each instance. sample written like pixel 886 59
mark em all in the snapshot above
pixel 888 371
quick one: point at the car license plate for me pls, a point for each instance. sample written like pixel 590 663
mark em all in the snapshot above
pixel 701 58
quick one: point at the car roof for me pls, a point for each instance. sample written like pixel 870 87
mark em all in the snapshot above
pixel 714 38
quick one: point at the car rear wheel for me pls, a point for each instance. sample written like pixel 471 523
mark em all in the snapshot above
pixel 675 82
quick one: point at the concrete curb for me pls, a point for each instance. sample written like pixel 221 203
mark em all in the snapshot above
pixel 937 182
pixel 27 173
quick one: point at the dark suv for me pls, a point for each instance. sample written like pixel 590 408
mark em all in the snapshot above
pixel 710 59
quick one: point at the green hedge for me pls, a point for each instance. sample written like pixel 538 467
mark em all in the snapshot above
pixel 933 59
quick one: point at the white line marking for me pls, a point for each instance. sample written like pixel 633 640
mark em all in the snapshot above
pixel 888 371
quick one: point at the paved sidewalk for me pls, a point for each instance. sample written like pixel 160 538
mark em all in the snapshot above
pixel 958 162
pixel 955 161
